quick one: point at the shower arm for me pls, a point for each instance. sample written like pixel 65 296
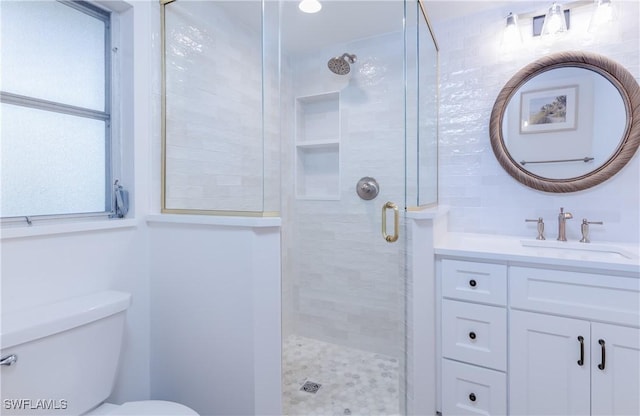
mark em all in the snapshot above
pixel 352 58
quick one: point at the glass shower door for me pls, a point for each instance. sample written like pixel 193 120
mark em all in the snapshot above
pixel 344 127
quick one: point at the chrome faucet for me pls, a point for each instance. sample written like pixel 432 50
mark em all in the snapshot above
pixel 562 220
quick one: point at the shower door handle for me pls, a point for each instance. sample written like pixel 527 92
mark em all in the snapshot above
pixel 396 222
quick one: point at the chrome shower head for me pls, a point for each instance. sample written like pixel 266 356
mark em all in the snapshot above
pixel 340 64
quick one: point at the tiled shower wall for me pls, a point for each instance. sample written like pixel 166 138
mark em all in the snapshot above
pixel 344 281
pixel 482 196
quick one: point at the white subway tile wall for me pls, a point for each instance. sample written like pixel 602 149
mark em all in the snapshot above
pixel 482 196
pixel 216 135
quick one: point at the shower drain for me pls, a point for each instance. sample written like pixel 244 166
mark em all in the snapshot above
pixel 310 387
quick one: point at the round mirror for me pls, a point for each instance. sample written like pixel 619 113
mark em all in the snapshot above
pixel 566 122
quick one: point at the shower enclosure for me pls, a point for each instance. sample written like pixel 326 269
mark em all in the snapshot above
pixel 328 120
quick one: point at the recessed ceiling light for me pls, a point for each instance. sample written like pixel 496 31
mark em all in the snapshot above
pixel 310 6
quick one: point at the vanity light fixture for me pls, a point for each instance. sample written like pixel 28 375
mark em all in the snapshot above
pixel 310 6
pixel 602 14
pixel 554 20
pixel 511 38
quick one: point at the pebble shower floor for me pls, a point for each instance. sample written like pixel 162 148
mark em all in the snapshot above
pixel 352 382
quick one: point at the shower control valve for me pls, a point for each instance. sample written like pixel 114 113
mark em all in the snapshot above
pixel 367 188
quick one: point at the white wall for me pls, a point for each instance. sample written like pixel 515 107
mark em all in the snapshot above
pixel 482 196
pixel 45 268
pixel 215 317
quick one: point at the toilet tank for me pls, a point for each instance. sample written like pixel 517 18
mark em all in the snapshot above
pixel 67 354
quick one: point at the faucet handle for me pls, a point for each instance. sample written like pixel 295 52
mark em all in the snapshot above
pixel 540 222
pixel 585 229
pixel 566 215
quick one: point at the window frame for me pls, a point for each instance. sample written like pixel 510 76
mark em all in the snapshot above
pixel 107 115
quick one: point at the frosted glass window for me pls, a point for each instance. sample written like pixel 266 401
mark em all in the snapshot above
pixel 53 52
pixel 52 163
pixel 55 139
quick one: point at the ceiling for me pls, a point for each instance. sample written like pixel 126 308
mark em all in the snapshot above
pixel 340 21
pixel 346 20
pixel 439 10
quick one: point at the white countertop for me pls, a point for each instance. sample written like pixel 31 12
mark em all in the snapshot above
pixel 601 256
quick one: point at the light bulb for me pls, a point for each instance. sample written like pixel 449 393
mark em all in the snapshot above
pixel 310 6
pixel 554 21
pixel 554 25
pixel 511 37
pixel 602 14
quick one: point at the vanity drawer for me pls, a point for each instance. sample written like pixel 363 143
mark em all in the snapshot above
pixel 583 295
pixel 470 390
pixel 476 282
pixel 475 334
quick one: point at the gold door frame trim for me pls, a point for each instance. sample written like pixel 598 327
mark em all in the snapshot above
pixel 163 105
pixel 426 18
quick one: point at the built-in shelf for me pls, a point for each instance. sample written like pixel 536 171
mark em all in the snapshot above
pixel 318 146
pixel 318 117
pixel 318 172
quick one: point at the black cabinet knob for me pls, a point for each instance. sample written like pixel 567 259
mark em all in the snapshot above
pixel 472 283
pixel 472 397
pixel 472 335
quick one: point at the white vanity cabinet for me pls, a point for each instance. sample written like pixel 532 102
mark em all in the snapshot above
pixel 568 366
pixel 574 343
pixel 547 339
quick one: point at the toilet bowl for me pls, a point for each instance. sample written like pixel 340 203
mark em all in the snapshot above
pixel 62 358
pixel 145 407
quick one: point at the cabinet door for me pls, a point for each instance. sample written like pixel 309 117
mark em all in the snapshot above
pixel 545 373
pixel 615 370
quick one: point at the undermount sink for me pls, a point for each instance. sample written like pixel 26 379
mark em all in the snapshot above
pixel 600 250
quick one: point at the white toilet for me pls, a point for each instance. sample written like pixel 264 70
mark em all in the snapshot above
pixel 62 358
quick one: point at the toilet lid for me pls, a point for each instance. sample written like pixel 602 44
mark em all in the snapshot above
pixel 154 407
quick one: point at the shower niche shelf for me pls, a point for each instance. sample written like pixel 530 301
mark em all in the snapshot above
pixel 318 146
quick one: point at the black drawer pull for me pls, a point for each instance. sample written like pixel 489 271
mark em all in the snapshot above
pixel 602 362
pixel 472 283
pixel 581 341
pixel 472 397
pixel 472 335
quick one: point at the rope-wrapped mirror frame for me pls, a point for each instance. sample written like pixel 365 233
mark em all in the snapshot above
pixel 618 75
